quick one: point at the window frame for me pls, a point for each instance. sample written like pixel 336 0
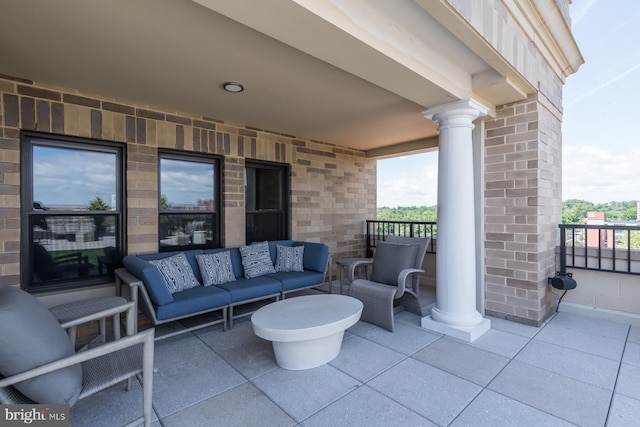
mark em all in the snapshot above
pixel 28 141
pixel 284 211
pixel 216 213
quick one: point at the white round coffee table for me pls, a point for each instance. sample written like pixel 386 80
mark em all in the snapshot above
pixel 306 331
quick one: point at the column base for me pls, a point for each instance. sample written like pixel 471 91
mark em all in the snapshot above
pixel 464 333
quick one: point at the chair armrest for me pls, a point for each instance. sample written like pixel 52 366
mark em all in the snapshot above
pixel 356 264
pixel 145 337
pixel 129 307
pixel 402 279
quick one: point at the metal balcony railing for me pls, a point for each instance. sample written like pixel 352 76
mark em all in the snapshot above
pixel 378 229
pixel 607 247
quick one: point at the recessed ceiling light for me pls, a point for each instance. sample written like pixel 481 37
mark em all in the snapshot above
pixel 233 87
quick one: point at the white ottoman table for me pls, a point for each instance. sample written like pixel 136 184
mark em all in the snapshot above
pixel 306 331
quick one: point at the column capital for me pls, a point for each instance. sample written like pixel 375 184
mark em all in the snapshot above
pixel 468 107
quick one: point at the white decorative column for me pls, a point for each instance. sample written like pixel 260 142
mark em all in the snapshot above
pixel 455 313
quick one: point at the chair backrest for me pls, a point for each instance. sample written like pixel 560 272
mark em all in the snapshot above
pixel 423 244
pixel 44 264
pixel 30 336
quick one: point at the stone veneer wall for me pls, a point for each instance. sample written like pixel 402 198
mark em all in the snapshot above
pixel 333 190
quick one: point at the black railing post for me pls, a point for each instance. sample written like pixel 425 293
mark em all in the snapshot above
pixel 563 250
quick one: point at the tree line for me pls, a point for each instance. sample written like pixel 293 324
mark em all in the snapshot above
pixel 573 211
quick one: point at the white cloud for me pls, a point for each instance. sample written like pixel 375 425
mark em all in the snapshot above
pixel 580 9
pixel 408 187
pixel 599 175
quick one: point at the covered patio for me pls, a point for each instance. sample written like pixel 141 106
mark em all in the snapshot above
pixel 572 370
pixel 323 89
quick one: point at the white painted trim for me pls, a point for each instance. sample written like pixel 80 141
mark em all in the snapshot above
pixel 478 176
pixel 544 25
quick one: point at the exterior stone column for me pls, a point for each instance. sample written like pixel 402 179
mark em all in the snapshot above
pixel 455 313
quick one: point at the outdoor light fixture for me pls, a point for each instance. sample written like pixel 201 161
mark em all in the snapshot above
pixel 233 87
pixel 562 280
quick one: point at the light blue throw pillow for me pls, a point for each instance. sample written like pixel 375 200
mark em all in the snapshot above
pixel 176 272
pixel 289 258
pixel 256 260
pixel 216 268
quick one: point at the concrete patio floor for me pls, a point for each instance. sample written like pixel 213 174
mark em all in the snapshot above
pixel 573 370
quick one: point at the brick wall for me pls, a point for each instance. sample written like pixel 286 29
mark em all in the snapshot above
pixel 333 190
pixel 522 209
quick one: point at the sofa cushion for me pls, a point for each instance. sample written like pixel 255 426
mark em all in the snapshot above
pixel 256 260
pixel 273 245
pixel 29 337
pixel 252 289
pixel 190 254
pixel 390 259
pixel 236 259
pixel 154 282
pixel 298 279
pixel 177 272
pixel 194 300
pixel 216 268
pixel 290 258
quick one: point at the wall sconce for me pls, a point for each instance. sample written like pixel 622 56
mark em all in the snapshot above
pixel 564 282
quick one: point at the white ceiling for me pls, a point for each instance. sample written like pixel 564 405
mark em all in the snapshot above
pixel 303 76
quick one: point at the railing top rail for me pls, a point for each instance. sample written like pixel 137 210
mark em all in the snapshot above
pixel 388 221
pixel 601 226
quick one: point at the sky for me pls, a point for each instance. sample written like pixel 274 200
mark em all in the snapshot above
pixel 91 174
pixel 601 135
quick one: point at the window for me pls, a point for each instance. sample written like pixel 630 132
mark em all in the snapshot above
pixel 267 201
pixel 189 202
pixel 72 205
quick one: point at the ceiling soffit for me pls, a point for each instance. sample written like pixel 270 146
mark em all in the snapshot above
pixel 359 77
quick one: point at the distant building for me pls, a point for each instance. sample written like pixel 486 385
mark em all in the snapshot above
pixel 607 237
pixel 600 238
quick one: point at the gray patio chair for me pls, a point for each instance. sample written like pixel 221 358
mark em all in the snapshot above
pixel 39 365
pixel 395 271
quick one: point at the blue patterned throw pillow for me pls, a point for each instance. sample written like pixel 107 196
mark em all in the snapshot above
pixel 256 260
pixel 177 272
pixel 289 258
pixel 216 268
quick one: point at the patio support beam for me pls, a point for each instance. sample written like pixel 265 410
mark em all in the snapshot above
pixel 455 313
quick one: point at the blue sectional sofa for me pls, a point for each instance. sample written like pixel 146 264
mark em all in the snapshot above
pixel 162 303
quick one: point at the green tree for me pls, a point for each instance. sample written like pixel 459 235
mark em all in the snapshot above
pixel 575 211
pixel 97 204
pixel 630 214
pixel 164 203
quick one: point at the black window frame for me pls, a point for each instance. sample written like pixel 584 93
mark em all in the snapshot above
pixel 32 211
pixel 216 215
pixel 259 215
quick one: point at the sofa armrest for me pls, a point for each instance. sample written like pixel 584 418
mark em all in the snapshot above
pixel 316 256
pixel 124 278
